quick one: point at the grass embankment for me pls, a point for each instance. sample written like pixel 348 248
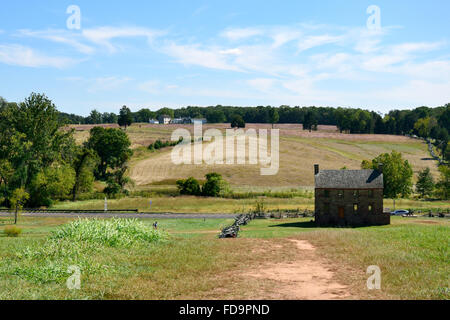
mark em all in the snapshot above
pixel 190 204
pixel 193 264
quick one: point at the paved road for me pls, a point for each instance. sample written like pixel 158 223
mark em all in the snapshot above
pixel 126 215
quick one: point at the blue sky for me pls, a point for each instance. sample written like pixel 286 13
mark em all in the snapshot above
pixel 177 53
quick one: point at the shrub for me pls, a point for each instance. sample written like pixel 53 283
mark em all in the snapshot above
pixel 237 122
pixel 12 231
pixel 158 144
pixel 214 186
pixel 112 232
pixel 190 186
pixel 112 188
pixel 76 244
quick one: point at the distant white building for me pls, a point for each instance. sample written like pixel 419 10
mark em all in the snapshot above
pixel 164 119
pixel 198 120
pixel 178 121
pixel 153 121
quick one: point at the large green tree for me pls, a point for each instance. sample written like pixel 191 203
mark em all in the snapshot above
pixel 397 174
pixel 165 111
pixel 215 116
pixel 112 147
pixel 32 139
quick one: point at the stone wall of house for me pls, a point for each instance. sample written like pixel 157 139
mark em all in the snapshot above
pixel 355 204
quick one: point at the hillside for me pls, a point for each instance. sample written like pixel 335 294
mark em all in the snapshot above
pixel 299 151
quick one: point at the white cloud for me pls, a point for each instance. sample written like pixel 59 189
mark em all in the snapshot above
pixel 315 41
pixel 19 55
pixel 416 93
pixel 100 83
pixel 407 48
pixel 262 84
pixel 241 33
pixel 60 36
pixel 103 35
pixel 195 55
pixel 152 87
pixel 235 51
pixel 281 37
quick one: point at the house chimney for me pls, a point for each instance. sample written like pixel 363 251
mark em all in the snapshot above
pixel 380 167
pixel 316 169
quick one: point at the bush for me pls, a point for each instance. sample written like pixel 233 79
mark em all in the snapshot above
pixel 237 122
pixel 12 231
pixel 190 186
pixel 112 189
pixel 77 243
pixel 214 186
pixel 111 232
pixel 158 144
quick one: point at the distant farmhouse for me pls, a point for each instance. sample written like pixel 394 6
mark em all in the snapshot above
pixel 349 198
pixel 164 119
pixel 188 120
pixel 198 120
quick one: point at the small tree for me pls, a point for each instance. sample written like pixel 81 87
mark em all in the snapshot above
pixel 214 185
pixel 310 121
pixel 17 201
pixel 237 122
pixel 189 186
pixel 425 183
pixel 125 117
pixel 397 174
pixel 274 116
pixel 443 185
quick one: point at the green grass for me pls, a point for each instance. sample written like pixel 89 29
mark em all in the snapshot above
pixel 190 204
pixel 193 263
pixel 413 255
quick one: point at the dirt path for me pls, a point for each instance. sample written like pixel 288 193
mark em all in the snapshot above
pixel 306 277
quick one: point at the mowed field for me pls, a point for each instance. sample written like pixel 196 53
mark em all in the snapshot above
pixel 299 151
pixel 271 259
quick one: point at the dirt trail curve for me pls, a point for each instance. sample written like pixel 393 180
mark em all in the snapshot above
pixel 305 278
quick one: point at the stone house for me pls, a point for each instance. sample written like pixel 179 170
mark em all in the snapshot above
pixel 349 198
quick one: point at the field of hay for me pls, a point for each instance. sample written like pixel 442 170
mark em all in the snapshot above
pixel 299 151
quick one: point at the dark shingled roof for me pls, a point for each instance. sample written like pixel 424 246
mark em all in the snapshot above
pixel 349 179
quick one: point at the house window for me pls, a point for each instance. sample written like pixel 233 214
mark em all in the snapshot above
pixel 326 193
pixel 340 193
pixel 355 208
pixel 370 193
pixel 370 208
pixel 355 193
pixel 326 208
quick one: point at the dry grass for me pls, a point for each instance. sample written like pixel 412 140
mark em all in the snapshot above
pixel 299 151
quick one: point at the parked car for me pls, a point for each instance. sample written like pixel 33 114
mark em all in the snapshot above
pixel 399 212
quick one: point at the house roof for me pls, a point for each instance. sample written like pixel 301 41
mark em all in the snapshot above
pixel 349 179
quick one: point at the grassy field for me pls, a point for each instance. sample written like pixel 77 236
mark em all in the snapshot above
pixel 193 264
pixel 191 204
pixel 326 147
